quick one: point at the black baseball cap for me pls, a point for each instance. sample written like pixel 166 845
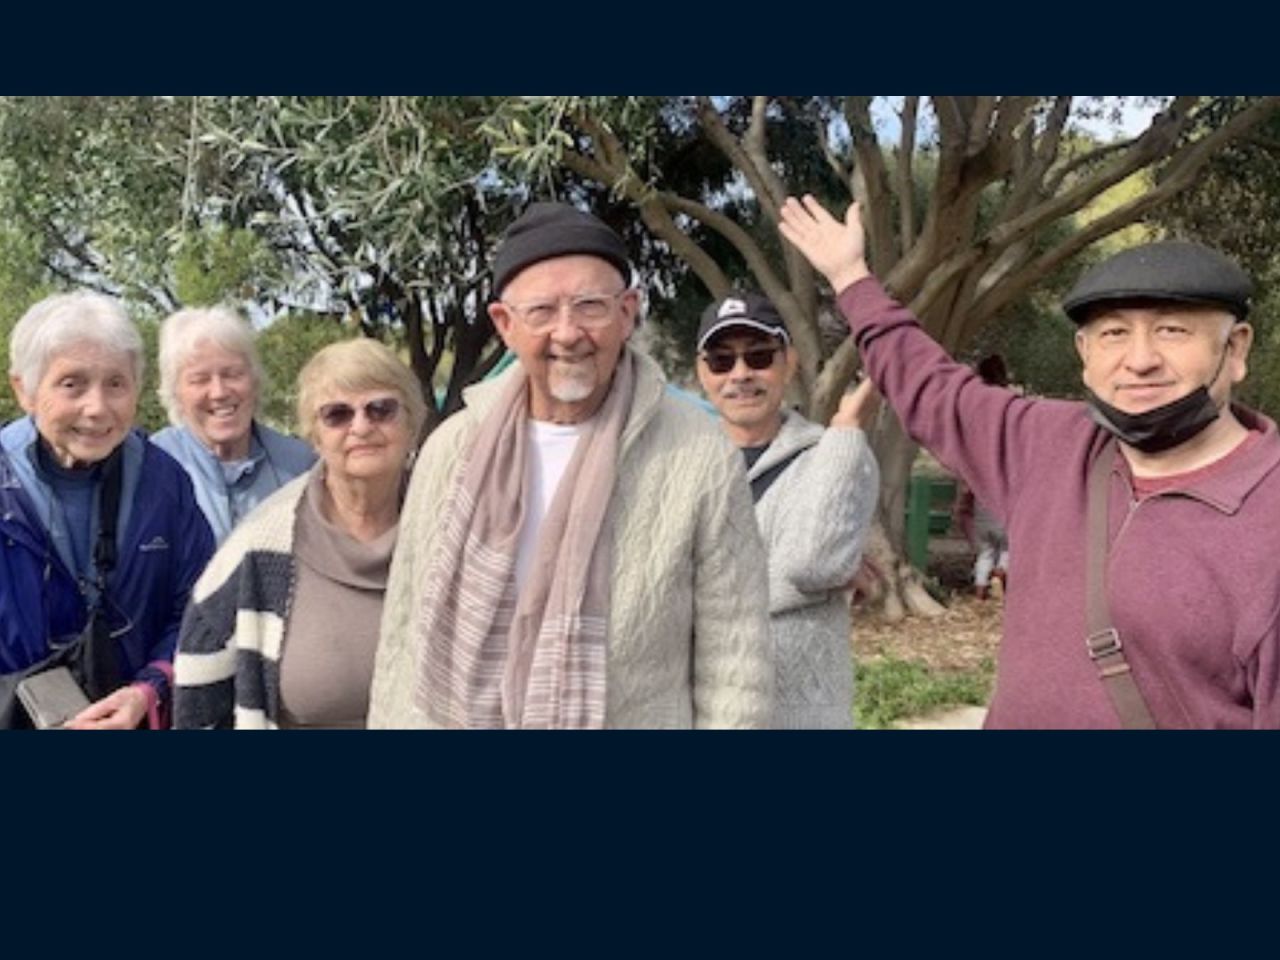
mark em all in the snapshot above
pixel 750 310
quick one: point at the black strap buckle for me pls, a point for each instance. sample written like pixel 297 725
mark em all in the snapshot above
pixel 1105 643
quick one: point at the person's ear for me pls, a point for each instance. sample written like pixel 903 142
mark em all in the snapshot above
pixel 1239 343
pixel 502 320
pixel 704 377
pixel 629 303
pixel 792 363
pixel 26 402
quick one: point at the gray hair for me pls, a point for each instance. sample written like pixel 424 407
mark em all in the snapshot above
pixel 185 330
pixel 63 319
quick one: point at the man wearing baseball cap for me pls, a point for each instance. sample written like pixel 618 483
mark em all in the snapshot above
pixel 815 493
pixel 1145 590
pixel 576 547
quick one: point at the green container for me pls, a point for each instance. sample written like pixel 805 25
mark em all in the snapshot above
pixel 929 502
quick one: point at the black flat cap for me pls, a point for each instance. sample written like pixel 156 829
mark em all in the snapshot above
pixel 1170 270
pixel 549 230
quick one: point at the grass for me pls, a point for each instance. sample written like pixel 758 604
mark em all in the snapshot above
pixel 889 690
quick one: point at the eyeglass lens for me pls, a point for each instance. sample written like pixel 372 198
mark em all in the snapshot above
pixel 587 310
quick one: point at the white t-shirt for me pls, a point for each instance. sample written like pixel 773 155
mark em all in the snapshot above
pixel 551 447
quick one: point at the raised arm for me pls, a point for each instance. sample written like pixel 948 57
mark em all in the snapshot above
pixel 987 435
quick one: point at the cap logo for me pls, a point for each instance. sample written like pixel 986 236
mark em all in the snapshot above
pixel 732 308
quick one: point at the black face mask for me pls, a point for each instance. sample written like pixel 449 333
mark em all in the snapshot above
pixel 1160 429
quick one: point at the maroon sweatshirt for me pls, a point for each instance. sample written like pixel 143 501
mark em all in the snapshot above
pixel 1193 572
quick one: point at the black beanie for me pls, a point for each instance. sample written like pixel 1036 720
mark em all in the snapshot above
pixel 549 230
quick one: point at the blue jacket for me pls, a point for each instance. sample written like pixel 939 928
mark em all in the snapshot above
pixel 164 543
pixel 274 460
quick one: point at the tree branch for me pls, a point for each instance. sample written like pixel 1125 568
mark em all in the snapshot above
pixel 1010 118
pixel 1179 174
pixel 803 329
pixel 906 187
pixel 842 170
pixel 1093 156
pixel 768 189
pixel 1051 139
pixel 877 211
pixel 979 125
pixel 1147 149
pixel 1033 159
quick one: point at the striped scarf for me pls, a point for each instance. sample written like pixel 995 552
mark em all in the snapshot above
pixel 490 658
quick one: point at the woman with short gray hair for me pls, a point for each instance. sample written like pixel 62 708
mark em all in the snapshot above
pixel 211 382
pixel 103 536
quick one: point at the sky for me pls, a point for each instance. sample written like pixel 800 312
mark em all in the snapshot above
pixel 1134 118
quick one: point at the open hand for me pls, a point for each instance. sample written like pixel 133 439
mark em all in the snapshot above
pixel 859 407
pixel 836 250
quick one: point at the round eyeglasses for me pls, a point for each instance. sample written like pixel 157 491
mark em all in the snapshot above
pixel 590 311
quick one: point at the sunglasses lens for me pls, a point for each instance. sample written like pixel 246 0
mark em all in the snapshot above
pixel 382 410
pixel 758 359
pixel 337 415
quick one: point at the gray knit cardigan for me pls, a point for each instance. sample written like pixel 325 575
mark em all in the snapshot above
pixel 814 519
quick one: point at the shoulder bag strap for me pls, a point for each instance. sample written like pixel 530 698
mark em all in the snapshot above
pixel 104 551
pixel 761 484
pixel 98 668
pixel 1103 642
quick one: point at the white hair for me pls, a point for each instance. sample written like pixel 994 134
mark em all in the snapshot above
pixel 63 319
pixel 182 332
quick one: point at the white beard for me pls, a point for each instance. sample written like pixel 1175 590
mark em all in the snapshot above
pixel 572 387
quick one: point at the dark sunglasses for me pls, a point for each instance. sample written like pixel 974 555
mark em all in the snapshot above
pixel 757 358
pixel 337 415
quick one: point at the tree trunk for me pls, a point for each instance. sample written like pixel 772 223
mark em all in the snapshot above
pixel 897 586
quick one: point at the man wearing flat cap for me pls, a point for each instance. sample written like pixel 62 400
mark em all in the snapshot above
pixel 577 547
pixel 1145 590
pixel 815 493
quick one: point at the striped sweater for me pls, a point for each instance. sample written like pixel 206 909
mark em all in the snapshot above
pixel 227 666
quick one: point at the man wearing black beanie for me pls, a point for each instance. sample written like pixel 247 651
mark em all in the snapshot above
pixel 577 548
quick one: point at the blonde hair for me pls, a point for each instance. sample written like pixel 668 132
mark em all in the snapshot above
pixel 355 366
pixel 185 330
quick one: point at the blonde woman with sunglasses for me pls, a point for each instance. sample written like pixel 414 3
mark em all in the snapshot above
pixel 283 626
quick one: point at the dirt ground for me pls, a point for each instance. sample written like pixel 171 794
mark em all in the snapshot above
pixel 966 635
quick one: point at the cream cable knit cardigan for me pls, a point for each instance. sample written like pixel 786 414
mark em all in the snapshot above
pixel 688 624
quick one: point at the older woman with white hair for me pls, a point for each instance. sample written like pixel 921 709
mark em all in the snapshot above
pixel 283 626
pixel 102 535
pixel 210 383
